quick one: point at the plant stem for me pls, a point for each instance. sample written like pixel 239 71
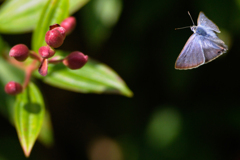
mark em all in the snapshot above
pixel 28 73
pixel 52 61
pixel 33 55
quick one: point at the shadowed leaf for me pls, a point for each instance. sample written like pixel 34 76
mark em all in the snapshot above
pixel 29 114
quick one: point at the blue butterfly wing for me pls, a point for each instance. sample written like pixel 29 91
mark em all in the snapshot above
pixel 213 48
pixel 207 23
pixel 192 54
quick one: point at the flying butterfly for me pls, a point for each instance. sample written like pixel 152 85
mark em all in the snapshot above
pixel 203 46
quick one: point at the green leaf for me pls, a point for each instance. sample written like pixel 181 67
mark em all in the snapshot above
pixel 20 16
pixel 75 5
pixel 46 133
pixel 8 73
pixel 94 77
pixel 29 114
pixel 54 12
pixel 26 13
pixel 4 47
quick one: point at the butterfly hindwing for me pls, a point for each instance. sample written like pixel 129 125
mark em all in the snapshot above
pixel 191 55
pixel 213 49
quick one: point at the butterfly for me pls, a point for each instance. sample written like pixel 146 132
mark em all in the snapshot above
pixel 203 45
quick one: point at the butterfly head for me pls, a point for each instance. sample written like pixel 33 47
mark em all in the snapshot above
pixel 193 28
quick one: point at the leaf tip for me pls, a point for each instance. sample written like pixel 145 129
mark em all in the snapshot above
pixel 27 150
pixel 129 94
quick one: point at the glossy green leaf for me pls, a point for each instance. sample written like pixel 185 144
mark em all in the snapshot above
pixel 53 12
pixel 46 133
pixel 22 16
pixel 75 5
pixel 29 114
pixel 94 77
pixel 8 73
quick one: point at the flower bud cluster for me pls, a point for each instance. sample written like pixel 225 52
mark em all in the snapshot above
pixel 54 38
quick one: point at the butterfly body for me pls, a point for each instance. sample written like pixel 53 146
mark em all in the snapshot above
pixel 203 45
pixel 199 31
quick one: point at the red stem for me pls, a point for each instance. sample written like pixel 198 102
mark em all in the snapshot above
pixel 52 61
pixel 28 73
pixel 33 55
pixel 29 69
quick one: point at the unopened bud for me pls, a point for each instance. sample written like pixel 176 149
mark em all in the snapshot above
pixel 43 68
pixel 55 37
pixel 69 24
pixel 19 52
pixel 75 60
pixel 59 28
pixel 46 52
pixel 13 88
pixel 54 26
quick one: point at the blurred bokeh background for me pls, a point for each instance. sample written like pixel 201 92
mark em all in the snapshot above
pixel 173 115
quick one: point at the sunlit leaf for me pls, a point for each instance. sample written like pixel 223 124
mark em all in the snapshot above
pixel 29 112
pixel 53 12
pixel 22 16
pixel 94 77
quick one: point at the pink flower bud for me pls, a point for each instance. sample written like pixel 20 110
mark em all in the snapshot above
pixel 54 26
pixel 59 28
pixel 55 37
pixel 46 52
pixel 13 88
pixel 62 31
pixel 75 60
pixel 69 24
pixel 19 52
pixel 43 68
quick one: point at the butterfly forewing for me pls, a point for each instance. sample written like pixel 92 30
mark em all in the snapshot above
pixel 191 55
pixel 207 23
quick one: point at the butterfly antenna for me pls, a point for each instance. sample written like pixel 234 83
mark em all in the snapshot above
pixel 187 26
pixel 182 27
pixel 191 17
